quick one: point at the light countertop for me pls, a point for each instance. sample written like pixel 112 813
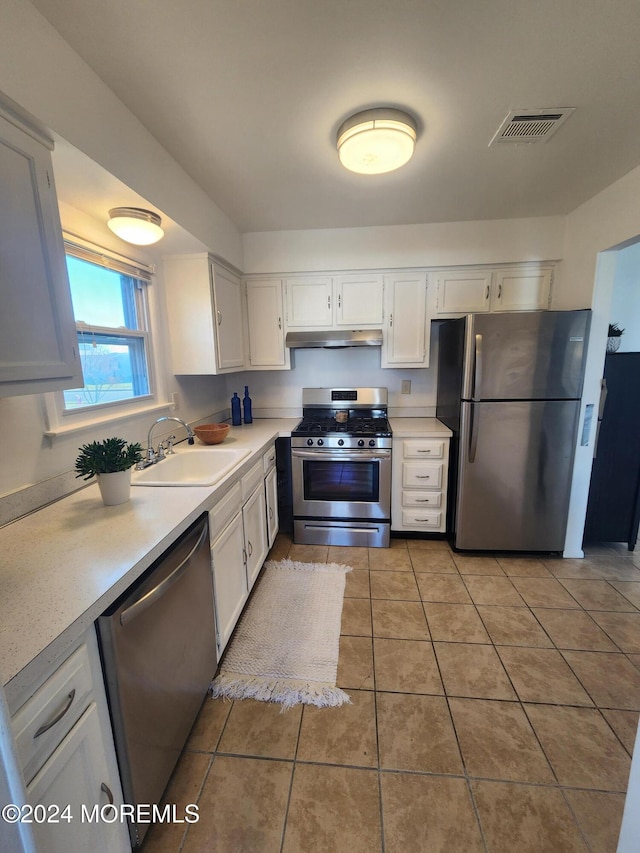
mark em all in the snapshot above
pixel 62 566
pixel 419 428
pixel 65 564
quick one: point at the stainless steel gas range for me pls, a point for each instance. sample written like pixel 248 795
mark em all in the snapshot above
pixel 341 468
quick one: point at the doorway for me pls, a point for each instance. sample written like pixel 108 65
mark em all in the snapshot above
pixel 613 506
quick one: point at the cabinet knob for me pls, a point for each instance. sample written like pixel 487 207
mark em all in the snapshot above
pixel 219 314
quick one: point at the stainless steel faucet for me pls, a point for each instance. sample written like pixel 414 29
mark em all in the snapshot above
pixel 152 455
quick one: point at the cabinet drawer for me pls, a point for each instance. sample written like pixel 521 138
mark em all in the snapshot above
pixel 422 499
pixel 225 509
pixel 418 475
pixel 423 449
pixel 424 519
pixel 269 459
pixel 44 720
pixel 251 480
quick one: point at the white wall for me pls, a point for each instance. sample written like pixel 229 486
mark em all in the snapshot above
pixel 35 458
pixel 46 77
pixel 438 244
pixel 279 392
pixel 610 219
pixel 625 303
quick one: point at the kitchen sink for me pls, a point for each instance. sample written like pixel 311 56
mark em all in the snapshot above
pixel 190 467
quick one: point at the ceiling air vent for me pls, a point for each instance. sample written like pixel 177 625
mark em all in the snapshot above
pixel 531 125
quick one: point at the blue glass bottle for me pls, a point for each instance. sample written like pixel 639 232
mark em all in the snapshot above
pixel 236 420
pixel 246 405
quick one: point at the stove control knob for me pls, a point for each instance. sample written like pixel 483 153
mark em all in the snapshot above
pixel 372 442
pixel 320 442
pixel 309 442
pixel 360 442
pixel 340 441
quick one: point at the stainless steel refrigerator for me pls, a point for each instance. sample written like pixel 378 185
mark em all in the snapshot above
pixel 509 387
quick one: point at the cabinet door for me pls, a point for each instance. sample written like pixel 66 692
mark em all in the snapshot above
pixel 359 300
pixel 271 494
pixel 229 579
pixel 228 319
pixel 406 343
pixel 38 341
pixel 76 774
pixel 265 324
pixel 254 515
pixel 309 301
pixel 463 292
pixel 524 289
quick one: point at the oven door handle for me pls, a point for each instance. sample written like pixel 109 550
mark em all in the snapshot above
pixel 338 456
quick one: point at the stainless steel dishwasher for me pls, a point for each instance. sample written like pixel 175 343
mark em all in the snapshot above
pixel 159 656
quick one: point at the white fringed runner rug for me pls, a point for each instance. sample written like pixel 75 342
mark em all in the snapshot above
pixel 285 647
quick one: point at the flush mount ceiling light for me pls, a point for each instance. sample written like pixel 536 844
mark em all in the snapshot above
pixel 141 227
pixel 376 141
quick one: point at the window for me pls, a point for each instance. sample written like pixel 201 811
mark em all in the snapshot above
pixel 110 307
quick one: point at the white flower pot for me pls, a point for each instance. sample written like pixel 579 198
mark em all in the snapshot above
pixel 115 488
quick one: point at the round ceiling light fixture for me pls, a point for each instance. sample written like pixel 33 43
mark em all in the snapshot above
pixel 135 225
pixel 376 141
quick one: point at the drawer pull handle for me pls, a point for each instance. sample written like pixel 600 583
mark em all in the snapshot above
pixel 423 451
pixel 422 520
pixel 423 476
pixel 423 500
pixel 46 726
pixel 107 790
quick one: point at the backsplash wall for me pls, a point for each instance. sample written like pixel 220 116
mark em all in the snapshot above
pixel 278 393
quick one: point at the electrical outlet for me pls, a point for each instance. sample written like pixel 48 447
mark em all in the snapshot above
pixel 406 386
pixel 175 401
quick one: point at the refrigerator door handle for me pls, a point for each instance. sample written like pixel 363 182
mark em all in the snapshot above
pixel 473 433
pixel 477 373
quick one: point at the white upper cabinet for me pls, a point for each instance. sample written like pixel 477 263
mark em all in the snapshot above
pixel 38 340
pixel 309 302
pixel 227 296
pixel 463 292
pixel 359 300
pixel 353 301
pixel 522 287
pixel 204 304
pixel 405 338
pixel 265 325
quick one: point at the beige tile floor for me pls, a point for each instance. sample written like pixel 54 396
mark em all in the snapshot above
pixel 494 708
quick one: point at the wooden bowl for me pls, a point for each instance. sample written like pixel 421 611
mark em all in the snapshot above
pixel 212 433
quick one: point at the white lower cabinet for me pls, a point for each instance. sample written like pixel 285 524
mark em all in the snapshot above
pixel 271 495
pixel 254 519
pixel 419 484
pixel 229 579
pixel 74 776
pixel 240 542
pixel 64 741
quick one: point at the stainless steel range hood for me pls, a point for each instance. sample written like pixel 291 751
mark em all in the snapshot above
pixel 333 338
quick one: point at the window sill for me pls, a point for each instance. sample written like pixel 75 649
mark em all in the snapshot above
pixel 81 426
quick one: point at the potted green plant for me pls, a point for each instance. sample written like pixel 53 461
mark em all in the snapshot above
pixel 613 338
pixel 110 461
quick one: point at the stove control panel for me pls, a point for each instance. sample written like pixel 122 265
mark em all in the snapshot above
pixel 346 442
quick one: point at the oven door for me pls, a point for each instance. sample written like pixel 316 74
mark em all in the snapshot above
pixel 342 484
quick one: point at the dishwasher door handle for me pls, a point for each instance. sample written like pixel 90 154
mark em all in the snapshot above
pixel 158 591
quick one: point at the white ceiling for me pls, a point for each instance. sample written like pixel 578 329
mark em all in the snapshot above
pixel 247 96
